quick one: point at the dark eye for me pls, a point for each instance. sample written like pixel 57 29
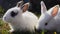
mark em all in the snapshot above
pixel 13 14
pixel 46 24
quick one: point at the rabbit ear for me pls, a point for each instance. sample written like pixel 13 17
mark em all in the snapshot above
pixel 55 10
pixel 19 3
pixel 25 7
pixel 43 7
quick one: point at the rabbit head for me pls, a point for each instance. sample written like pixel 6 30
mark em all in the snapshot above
pixel 46 16
pixel 16 12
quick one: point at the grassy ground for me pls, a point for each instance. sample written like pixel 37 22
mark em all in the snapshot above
pixel 4 28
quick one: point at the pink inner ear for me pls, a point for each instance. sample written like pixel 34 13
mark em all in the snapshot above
pixel 25 8
pixel 55 11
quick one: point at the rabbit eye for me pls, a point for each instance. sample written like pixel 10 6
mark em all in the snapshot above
pixel 13 14
pixel 46 24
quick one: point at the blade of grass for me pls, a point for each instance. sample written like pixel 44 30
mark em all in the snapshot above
pixel 43 31
pixel 55 32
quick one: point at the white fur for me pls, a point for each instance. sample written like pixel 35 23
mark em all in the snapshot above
pixel 23 21
pixel 46 17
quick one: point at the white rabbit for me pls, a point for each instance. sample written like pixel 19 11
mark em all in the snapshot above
pixel 20 18
pixel 49 19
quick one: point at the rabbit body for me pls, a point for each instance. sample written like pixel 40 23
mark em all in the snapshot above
pixel 20 18
pixel 49 20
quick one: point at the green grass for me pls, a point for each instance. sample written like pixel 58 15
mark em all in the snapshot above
pixel 1 11
pixel 4 28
